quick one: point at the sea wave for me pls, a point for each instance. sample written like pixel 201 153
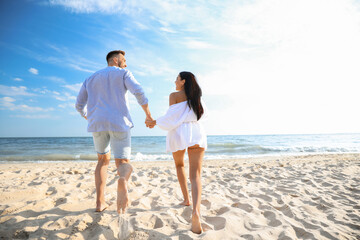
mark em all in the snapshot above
pixel 139 157
pixel 49 157
pixel 312 149
pixel 80 157
pixel 230 148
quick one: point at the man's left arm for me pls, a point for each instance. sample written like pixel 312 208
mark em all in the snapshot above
pixel 135 88
pixel 81 101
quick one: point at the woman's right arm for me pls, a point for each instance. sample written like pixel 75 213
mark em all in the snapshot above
pixel 172 100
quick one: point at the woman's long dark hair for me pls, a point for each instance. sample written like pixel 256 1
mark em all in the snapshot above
pixel 193 93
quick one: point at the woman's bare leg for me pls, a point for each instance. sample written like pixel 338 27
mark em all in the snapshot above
pixel 196 155
pixel 180 171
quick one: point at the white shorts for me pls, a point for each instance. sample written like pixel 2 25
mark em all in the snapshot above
pixel 120 143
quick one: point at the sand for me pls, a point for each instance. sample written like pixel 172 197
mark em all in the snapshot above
pixel 292 197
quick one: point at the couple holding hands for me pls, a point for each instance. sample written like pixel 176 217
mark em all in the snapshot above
pixel 102 101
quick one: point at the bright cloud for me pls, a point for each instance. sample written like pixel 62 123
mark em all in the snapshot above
pixel 45 91
pixel 56 55
pixel 80 68
pixel 26 108
pixel 168 30
pixel 67 105
pixel 196 44
pixel 65 97
pixel 295 77
pixel 34 71
pixel 74 87
pixel 18 79
pixel 90 6
pixel 7 99
pixel 14 91
pixel 36 116
pixel 9 104
pixel 146 63
pixel 61 96
pixel 55 79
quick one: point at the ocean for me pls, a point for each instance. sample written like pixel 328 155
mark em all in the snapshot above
pixel 18 150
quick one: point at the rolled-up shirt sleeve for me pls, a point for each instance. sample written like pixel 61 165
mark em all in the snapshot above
pixel 135 88
pixel 81 101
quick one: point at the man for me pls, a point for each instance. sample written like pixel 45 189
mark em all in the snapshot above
pixel 107 112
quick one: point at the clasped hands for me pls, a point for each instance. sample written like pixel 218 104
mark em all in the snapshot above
pixel 150 122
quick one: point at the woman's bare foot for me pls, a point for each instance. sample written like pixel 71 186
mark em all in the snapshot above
pixel 185 203
pixel 122 196
pixel 196 224
pixel 101 207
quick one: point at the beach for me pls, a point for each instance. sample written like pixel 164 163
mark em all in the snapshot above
pixel 314 196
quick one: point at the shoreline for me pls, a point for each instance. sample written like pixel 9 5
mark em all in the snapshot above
pixel 235 158
pixel 270 197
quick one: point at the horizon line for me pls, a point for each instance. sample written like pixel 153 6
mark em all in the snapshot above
pixel 266 134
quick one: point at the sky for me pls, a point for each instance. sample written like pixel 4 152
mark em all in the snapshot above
pixel 264 66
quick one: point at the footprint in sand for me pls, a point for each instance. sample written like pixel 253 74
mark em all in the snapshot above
pixel 144 203
pixel 51 191
pixel 302 233
pixel 222 210
pixel 252 226
pixel 283 236
pixel 218 222
pixel 33 183
pixel 60 201
pixel 248 176
pixel 273 222
pixel 326 184
pixel 82 223
pixel 246 207
pixel 307 225
pixel 247 237
pixel 206 203
pixel 150 221
pixel 187 213
pixel 328 235
pixel 262 196
pixel 286 210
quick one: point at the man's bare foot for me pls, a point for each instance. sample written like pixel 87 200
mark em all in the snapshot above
pixel 196 224
pixel 122 196
pixel 101 207
pixel 185 203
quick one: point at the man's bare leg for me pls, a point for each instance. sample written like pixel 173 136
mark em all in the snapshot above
pixel 100 180
pixel 124 170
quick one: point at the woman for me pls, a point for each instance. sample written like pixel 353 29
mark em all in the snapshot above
pixel 185 132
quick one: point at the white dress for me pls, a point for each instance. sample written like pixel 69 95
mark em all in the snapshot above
pixel 184 130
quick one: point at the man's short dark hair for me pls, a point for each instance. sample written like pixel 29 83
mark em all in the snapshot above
pixel 114 53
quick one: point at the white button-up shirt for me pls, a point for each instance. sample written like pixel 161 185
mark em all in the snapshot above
pixel 103 99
